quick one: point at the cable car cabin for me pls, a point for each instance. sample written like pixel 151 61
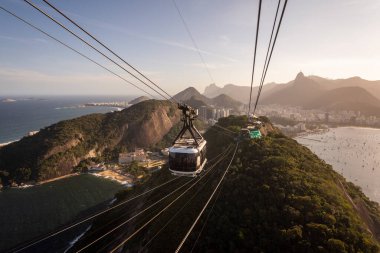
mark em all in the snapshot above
pixel 254 132
pixel 251 132
pixel 187 156
pixel 187 159
pixel 245 134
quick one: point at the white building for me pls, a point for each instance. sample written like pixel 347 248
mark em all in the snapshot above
pixel 139 156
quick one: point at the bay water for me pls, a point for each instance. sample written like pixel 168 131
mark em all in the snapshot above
pixel 27 114
pixel 353 152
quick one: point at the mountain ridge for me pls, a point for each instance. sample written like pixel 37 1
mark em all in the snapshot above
pixel 241 93
pixel 195 99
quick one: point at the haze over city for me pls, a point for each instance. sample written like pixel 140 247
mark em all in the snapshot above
pixel 333 39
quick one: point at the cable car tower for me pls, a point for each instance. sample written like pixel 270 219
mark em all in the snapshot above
pixel 187 156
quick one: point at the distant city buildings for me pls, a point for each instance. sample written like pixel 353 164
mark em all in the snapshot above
pixel 298 114
pixel 207 113
pixel 139 155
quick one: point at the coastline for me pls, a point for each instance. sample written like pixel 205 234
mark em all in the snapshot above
pixel 122 180
pixel 38 112
pixel 322 131
pixel 352 152
pixel 7 143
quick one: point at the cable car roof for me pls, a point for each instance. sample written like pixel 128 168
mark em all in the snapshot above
pixel 188 146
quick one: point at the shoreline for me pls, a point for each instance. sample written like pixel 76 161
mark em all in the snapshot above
pixel 56 179
pixel 7 143
pixel 360 127
pixel 125 183
pixel 322 131
pixel 341 152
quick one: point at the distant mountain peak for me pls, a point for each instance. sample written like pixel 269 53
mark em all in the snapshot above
pixel 191 89
pixel 138 100
pixel 211 90
pixel 190 93
pixel 300 75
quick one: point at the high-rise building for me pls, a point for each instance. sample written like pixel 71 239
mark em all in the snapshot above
pixel 203 112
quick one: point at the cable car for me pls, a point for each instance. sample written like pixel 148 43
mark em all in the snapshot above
pixel 252 129
pixel 254 132
pixel 187 156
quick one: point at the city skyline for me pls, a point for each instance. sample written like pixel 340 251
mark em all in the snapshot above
pixel 331 39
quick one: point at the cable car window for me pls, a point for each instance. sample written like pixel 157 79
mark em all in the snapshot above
pixel 183 162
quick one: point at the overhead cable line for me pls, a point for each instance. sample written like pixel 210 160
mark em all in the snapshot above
pixel 164 209
pixel 193 40
pixel 254 55
pixel 93 47
pixel 106 47
pixel 207 217
pixel 225 129
pixel 270 56
pixel 267 54
pixel 93 216
pixel 136 215
pixel 221 132
pixel 179 211
pixel 208 201
pixel 74 50
pixel 92 233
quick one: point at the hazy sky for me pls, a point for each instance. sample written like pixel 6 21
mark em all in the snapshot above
pixel 329 38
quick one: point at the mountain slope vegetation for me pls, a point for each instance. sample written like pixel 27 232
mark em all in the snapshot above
pixel 280 197
pixel 56 149
pixel 277 197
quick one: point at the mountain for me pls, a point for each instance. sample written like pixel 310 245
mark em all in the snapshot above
pixel 189 93
pixel 239 93
pixel 297 93
pixel 226 101
pixel 57 149
pixel 196 102
pixel 195 99
pixel 212 90
pixel 373 87
pixel 347 98
pixel 277 196
pixel 320 93
pixel 138 100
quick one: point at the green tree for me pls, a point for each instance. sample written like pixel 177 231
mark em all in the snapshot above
pixel 22 175
pixel 336 246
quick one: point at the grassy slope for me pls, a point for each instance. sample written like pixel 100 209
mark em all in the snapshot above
pixel 26 213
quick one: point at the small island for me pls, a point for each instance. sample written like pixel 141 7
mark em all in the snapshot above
pixel 8 100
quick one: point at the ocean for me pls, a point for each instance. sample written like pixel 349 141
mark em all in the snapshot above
pixel 28 114
pixel 353 152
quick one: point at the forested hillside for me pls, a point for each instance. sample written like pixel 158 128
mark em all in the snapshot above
pixel 277 197
pixel 58 148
